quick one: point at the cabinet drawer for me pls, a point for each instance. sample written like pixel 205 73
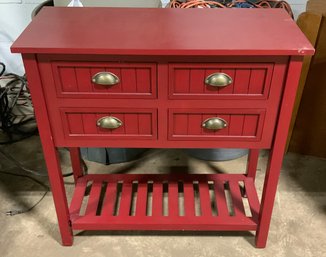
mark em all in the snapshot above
pixel 217 124
pixel 220 81
pixel 113 123
pixel 109 80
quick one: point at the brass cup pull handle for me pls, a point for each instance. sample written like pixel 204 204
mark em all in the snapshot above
pixel 109 122
pixel 105 78
pixel 214 123
pixel 218 79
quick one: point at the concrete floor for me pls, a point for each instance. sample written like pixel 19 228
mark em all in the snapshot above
pixel 298 225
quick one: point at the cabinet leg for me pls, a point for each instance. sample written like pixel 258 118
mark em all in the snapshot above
pixel 252 163
pixel 50 152
pixel 59 193
pixel 268 196
pixel 277 152
pixel 76 162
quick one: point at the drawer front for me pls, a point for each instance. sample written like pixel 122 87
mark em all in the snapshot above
pixel 108 80
pixel 220 81
pixel 216 124
pixel 113 123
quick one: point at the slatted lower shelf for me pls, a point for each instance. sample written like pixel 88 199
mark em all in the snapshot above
pixel 164 202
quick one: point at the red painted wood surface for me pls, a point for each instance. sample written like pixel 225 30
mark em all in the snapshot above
pixel 82 123
pixel 74 79
pixel 163 32
pixel 252 162
pixel 250 81
pixel 156 220
pixel 76 162
pixel 275 161
pixel 242 124
pixel 50 152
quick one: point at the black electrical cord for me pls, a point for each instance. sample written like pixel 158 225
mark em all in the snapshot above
pixel 19 165
pixel 3 68
pixel 14 90
pixel 14 93
pixel 33 172
pixel 47 189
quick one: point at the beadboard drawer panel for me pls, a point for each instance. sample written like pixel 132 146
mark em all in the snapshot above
pixel 245 80
pixel 83 123
pixel 134 80
pixel 240 124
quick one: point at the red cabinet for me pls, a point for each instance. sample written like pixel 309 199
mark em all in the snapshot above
pixel 160 78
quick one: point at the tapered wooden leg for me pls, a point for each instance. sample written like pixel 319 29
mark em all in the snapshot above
pixel 49 149
pixel 58 192
pixel 76 162
pixel 269 191
pixel 252 163
pixel 277 152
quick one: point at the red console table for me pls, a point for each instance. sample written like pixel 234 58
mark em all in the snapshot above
pixel 163 78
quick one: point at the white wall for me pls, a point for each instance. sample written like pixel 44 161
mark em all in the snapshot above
pixel 16 14
pixel 14 17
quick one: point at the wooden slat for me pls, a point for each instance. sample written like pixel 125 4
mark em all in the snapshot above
pixel 78 196
pixel 180 124
pixel 165 223
pixel 189 199
pixel 241 82
pixel 75 122
pixel 143 80
pixel 109 199
pixel 238 207
pixel 93 199
pixel 125 203
pixel 131 123
pixel 89 123
pixel 68 79
pixel 173 221
pixel 173 199
pixel 236 125
pixel 145 124
pixel 128 78
pixel 141 199
pixel 257 81
pixel 252 198
pixel 181 78
pixel 83 77
pixel 157 203
pixel 205 202
pixel 194 124
pixel 158 178
pixel 197 78
pixel 222 209
pixel 250 125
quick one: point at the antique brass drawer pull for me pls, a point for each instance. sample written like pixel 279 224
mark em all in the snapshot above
pixel 105 78
pixel 109 122
pixel 218 80
pixel 214 123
